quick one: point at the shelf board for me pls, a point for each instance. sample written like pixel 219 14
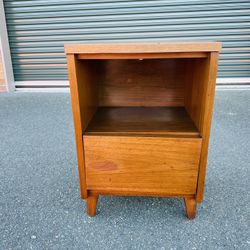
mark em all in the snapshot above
pixel 157 121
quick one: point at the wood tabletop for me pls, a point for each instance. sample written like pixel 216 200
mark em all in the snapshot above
pixel 143 48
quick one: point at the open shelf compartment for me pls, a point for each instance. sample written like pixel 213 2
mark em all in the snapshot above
pixel 157 97
pixel 154 121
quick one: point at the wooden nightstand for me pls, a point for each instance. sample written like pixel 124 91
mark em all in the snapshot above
pixel 142 117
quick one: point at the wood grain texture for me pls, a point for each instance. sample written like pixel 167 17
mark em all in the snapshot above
pixel 142 121
pixel 142 47
pixel 138 193
pixel 211 72
pixel 92 204
pixel 141 82
pixel 190 205
pixel 76 109
pixel 87 90
pixel 200 87
pixel 148 164
pixel 196 90
pixel 142 116
pixel 84 105
pixel 143 55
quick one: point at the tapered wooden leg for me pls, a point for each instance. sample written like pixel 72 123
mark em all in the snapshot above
pixel 190 204
pixel 91 204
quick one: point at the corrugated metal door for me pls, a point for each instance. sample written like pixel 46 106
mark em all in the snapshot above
pixel 39 29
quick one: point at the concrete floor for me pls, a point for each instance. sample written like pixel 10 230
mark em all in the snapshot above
pixel 40 206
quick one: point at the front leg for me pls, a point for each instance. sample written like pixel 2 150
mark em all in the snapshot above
pixel 190 204
pixel 91 204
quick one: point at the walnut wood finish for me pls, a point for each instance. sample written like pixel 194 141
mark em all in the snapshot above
pixel 84 104
pixel 143 55
pixel 143 164
pixel 144 48
pixel 210 74
pixel 92 204
pixel 137 193
pixel 142 116
pixel 200 88
pixel 142 121
pixel 141 82
pixel 190 205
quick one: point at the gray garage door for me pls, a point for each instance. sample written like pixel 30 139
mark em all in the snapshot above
pixel 38 30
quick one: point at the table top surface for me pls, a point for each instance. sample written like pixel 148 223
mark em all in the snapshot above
pixel 173 47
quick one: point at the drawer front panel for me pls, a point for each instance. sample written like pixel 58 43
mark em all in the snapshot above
pixel 143 164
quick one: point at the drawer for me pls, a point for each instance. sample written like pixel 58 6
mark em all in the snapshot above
pixel 142 164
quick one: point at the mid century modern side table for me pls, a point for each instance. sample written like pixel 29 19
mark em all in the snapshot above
pixel 142 116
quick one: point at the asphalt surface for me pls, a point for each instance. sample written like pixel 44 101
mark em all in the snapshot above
pixel 40 206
